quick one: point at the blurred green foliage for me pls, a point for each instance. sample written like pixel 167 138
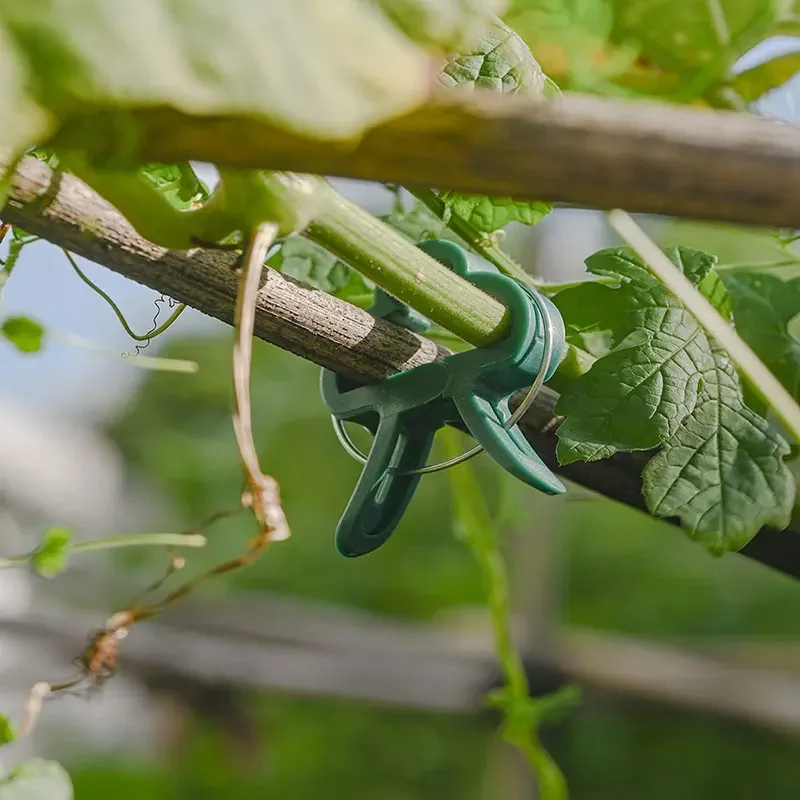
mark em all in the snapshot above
pixel 622 571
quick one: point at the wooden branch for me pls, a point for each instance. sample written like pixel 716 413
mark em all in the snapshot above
pixel 305 321
pixel 592 152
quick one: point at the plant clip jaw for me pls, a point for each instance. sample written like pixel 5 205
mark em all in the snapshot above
pixel 471 389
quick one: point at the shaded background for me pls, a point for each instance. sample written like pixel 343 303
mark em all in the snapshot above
pixel 309 675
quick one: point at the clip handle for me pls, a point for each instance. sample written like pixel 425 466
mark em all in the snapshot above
pixel 486 419
pixel 382 494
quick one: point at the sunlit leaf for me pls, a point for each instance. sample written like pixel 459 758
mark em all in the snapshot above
pixel 24 333
pixel 50 558
pixel 317 67
pixel 662 382
pixel 757 81
pixel 7 732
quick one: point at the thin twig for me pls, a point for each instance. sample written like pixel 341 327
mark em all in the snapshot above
pixel 263 491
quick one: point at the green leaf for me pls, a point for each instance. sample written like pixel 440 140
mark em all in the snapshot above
pixel 417 224
pixel 317 68
pixel 36 779
pixel 178 183
pixel 765 307
pixel 450 25
pixel 50 558
pixel 722 473
pixel 24 333
pixel 502 62
pixel 23 121
pixel 499 60
pixel 7 732
pixel 306 261
pixel 571 40
pixel 663 382
pixel 634 397
pixel 697 38
pixel 757 81
pixel 489 214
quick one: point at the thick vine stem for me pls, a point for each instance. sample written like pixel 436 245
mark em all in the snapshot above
pixel 403 270
pixel 310 323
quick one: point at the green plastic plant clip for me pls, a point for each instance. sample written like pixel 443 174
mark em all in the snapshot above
pixel 471 389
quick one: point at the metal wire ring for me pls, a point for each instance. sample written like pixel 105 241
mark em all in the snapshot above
pixel 549 336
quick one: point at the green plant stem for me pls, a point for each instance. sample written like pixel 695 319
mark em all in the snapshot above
pixel 140 540
pixel 14 561
pixel 116 309
pixel 477 240
pixel 113 542
pixel 519 709
pixel 404 271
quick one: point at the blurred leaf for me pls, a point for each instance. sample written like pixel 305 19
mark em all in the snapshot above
pixel 699 39
pixel 317 68
pixel 417 224
pixel 36 780
pixel 178 183
pixel 24 333
pixel 765 307
pixel 178 434
pixel 7 732
pixel 23 120
pixel 50 558
pixel 502 62
pixel 571 40
pixel 753 83
pixel 449 24
pixel 306 261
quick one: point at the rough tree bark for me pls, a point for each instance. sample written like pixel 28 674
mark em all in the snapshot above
pixel 305 321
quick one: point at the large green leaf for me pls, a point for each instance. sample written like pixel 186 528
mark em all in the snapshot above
pixel 634 397
pixel 660 381
pixel 36 780
pixel 722 473
pixel 765 307
pixel 321 68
